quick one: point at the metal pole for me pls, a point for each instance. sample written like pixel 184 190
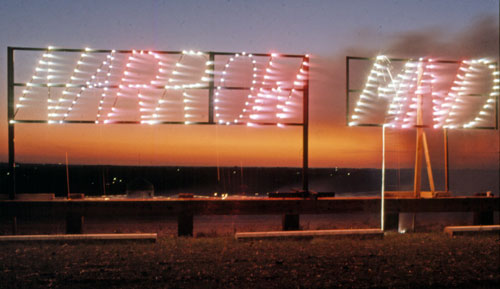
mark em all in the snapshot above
pixel 211 85
pixel 10 120
pixel 103 181
pixel 305 131
pixel 446 167
pixel 347 90
pixel 382 194
pixel 496 101
pixel 67 178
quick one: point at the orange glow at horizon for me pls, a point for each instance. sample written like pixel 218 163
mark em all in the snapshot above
pixel 180 145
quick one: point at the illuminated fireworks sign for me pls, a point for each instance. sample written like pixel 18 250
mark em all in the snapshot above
pixel 104 87
pixel 158 87
pixel 452 94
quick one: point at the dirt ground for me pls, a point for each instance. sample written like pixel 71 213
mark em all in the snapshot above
pixel 420 260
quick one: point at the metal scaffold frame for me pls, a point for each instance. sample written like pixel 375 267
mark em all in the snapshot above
pixel 211 87
pixel 421 141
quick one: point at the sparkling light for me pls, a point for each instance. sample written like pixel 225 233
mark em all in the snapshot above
pixel 105 81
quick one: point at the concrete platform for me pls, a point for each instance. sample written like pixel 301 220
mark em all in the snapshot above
pixel 356 233
pixel 472 230
pixel 35 197
pixel 74 211
pixel 423 194
pixel 241 206
pixel 80 237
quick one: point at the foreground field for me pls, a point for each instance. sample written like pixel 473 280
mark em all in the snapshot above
pixel 398 261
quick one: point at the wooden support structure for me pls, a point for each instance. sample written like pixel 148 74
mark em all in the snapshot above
pixel 428 163
pixel 421 140
pixel 421 147
pixel 418 165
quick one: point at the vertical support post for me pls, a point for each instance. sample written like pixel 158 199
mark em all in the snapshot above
pixel 305 128
pixel 391 221
pixel 446 172
pixel 74 223
pixel 185 225
pixel 388 221
pixel 483 218
pixel 211 86
pixel 382 194
pixel 67 178
pixel 14 225
pixel 347 88
pixel 418 150
pixel 428 162
pixel 10 120
pixel 496 100
pixel 290 222
pixel 103 180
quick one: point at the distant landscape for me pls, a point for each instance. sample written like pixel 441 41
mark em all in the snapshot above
pixel 250 181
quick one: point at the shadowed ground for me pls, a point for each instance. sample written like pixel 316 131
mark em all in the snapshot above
pixel 430 260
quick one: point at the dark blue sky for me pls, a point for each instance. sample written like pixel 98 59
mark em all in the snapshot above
pixel 295 26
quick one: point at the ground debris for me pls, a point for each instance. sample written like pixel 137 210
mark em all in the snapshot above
pixel 398 261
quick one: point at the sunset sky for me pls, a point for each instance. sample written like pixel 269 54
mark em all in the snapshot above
pixel 328 30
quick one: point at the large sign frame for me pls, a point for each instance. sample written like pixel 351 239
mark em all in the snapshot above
pixel 211 87
pixel 357 90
